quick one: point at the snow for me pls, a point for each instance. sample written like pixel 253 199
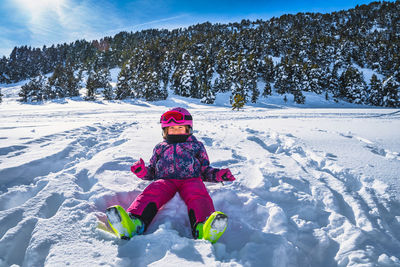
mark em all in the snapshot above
pixel 317 185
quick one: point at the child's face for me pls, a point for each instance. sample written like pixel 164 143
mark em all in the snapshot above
pixel 176 130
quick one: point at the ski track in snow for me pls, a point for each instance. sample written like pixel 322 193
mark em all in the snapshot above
pixel 290 205
pixel 375 148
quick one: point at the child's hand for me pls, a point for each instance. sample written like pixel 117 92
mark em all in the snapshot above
pixel 139 169
pixel 224 175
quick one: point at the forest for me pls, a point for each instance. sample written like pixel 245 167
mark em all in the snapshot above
pixel 287 55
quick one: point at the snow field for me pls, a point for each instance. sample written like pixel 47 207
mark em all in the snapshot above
pixel 295 202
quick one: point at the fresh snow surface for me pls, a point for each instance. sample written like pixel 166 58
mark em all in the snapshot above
pixel 315 186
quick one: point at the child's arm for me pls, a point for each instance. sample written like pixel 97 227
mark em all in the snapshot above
pixel 207 172
pixel 143 172
pixel 210 174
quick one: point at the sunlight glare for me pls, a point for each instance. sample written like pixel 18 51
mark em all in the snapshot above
pixel 38 6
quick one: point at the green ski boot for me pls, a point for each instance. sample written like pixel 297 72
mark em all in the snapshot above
pixel 213 228
pixel 123 224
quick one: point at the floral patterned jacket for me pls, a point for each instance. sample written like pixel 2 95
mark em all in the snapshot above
pixel 180 161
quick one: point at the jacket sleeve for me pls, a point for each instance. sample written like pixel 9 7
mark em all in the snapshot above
pixel 151 168
pixel 207 172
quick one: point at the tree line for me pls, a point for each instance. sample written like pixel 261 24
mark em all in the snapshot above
pixel 289 55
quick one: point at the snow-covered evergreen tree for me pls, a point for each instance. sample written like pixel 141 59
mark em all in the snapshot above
pixel 266 70
pixel 58 81
pixel 206 91
pixel 376 93
pixel 332 82
pixel 4 78
pixel 283 77
pixel 251 73
pixel 33 90
pixel 64 82
pixel 72 81
pixel 352 86
pixel 48 92
pixel 296 84
pixel 124 83
pixel 99 79
pixel 223 82
pixel 267 90
pixel 150 84
pixel 91 86
pixel 239 82
pixel 184 78
pixel 166 67
pixel 314 79
pixel 391 92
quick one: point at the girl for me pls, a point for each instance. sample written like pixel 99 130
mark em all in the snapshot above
pixel 179 164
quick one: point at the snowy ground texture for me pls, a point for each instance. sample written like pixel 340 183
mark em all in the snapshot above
pixel 315 187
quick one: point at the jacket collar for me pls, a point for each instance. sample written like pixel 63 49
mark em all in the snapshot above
pixel 179 138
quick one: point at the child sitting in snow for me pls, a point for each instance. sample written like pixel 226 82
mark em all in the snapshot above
pixel 179 164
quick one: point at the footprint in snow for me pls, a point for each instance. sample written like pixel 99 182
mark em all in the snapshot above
pixel 16 197
pixel 51 206
pixel 9 221
pixel 15 242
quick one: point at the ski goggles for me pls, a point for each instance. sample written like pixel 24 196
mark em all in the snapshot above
pixel 176 116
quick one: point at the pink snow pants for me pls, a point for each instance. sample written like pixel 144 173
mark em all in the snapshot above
pixel 192 191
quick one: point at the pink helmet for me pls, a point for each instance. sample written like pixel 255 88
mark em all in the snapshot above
pixel 175 117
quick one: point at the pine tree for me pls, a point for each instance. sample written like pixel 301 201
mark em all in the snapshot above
pixel 333 84
pixel 3 70
pixel 150 83
pixel 204 82
pixel 91 87
pixel 33 90
pixel 283 77
pixel 166 66
pixel 285 99
pixel 296 84
pixel 148 74
pixel 108 91
pixel 223 82
pixel 48 92
pixel 124 83
pixel 299 98
pixel 72 82
pixel 244 78
pixel 267 90
pixel 58 82
pixel 314 78
pixel 1 96
pixel 99 79
pixel 376 92
pixel 238 102
pixel 239 88
pixel 266 69
pixel 352 86
pixel 391 93
pixel 251 73
pixel 184 79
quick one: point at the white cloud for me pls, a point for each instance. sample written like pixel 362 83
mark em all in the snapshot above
pixel 47 22
pixel 58 21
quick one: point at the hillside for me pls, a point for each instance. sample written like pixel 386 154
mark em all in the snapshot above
pixel 327 54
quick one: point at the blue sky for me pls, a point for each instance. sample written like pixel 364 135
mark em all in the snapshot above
pixel 45 22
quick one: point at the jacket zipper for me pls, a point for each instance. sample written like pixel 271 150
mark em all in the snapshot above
pixel 175 155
